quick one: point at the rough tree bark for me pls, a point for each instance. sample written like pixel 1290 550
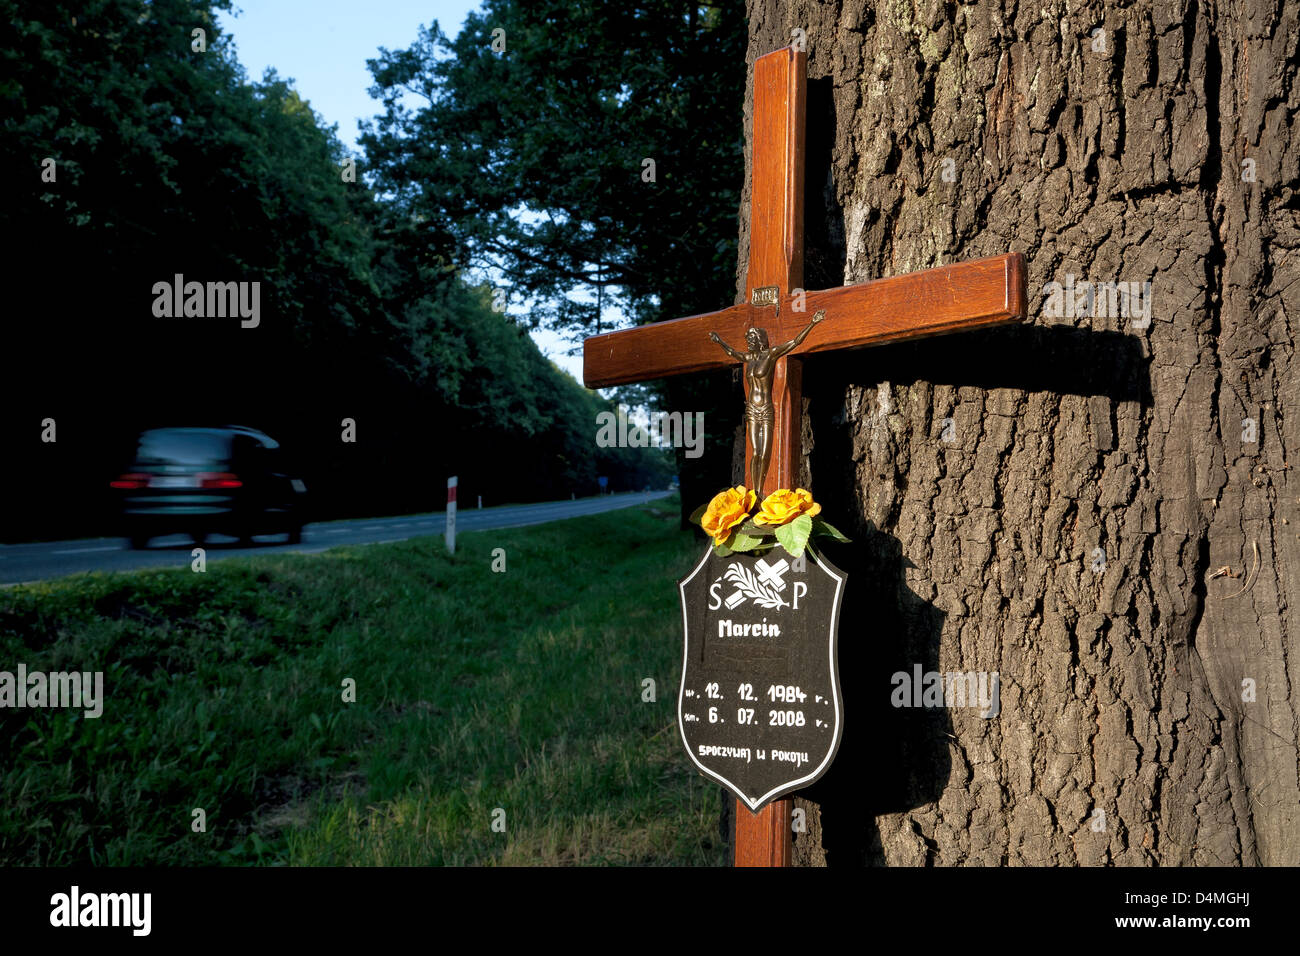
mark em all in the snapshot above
pixel 1128 731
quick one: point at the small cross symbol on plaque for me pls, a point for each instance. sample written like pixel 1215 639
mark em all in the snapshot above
pixel 771 573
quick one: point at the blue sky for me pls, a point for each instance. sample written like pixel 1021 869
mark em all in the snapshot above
pixel 323 45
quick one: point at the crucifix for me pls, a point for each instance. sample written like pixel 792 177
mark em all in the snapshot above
pixel 954 298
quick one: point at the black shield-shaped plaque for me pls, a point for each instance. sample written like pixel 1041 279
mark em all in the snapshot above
pixel 759 708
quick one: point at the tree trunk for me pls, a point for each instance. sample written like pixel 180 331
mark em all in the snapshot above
pixel 1058 502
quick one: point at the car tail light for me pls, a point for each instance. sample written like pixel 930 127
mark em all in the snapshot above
pixel 130 481
pixel 219 479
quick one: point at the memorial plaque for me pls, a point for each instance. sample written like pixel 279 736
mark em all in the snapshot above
pixel 759 708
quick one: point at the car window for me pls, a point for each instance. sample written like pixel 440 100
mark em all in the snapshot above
pixel 182 446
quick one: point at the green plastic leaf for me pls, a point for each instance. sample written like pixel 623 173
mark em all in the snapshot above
pixel 794 536
pixel 828 529
pixel 698 514
pixel 721 550
pixel 745 542
pixel 785 536
pixel 756 530
pixel 803 530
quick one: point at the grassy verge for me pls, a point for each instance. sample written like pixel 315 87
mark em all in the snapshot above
pixel 477 691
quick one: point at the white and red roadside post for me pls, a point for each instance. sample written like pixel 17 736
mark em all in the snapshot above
pixel 451 515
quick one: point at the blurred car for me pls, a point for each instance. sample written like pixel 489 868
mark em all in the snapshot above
pixel 199 481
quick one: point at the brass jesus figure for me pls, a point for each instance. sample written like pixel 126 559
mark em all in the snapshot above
pixel 760 362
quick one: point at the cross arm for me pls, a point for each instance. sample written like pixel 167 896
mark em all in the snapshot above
pixel 664 348
pixel 955 298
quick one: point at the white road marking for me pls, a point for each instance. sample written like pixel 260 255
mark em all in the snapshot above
pixel 337 530
pixel 83 550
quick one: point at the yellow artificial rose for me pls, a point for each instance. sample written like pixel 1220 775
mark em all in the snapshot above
pixel 727 509
pixel 783 506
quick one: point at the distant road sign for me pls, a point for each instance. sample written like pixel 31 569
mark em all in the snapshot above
pixel 451 514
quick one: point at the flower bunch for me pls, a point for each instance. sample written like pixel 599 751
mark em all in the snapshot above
pixel 785 517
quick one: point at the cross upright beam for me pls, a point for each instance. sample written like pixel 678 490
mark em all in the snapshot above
pixel 776 249
pixel 776 260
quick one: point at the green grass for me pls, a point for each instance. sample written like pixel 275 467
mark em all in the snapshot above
pixel 475 691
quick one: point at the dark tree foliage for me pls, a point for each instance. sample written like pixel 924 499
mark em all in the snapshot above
pixel 519 149
pixel 168 161
pixel 532 160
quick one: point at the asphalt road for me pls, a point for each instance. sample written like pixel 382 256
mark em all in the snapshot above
pixel 22 563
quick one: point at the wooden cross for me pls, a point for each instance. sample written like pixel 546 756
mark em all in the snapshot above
pixel 969 295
